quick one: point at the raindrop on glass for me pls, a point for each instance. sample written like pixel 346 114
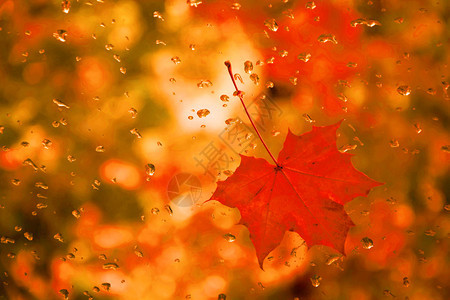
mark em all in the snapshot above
pixel 271 24
pixel 229 237
pixel 201 113
pixel 324 38
pixel 315 280
pixel 367 243
pixel 404 90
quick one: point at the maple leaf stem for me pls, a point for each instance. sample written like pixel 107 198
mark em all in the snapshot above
pixel 241 97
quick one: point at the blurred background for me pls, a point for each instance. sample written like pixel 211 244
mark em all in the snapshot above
pixel 118 117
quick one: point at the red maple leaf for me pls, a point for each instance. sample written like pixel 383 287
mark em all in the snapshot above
pixel 304 191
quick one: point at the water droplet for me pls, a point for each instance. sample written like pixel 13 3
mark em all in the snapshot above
pixel 269 85
pixel 109 47
pixel 96 289
pixel 332 259
pixel 236 6
pixel 117 57
pixel 367 243
pixel 60 35
pixel 271 24
pixel 86 293
pixel 46 143
pixel 237 76
pixel 157 14
pixel 100 149
pixel 404 90
pixel 431 91
pixel 194 3
pixel 155 210
pixel 418 128
pixel 224 98
pixel 308 118
pixel 398 20
pixel 406 282
pixel 446 148
pixel 76 213
pixel 150 169
pixel 204 84
pixel 168 209
pixel 15 181
pixel 310 5
pixel 293 80
pixel 29 162
pixel 41 185
pixel 304 56
pixel 41 205
pixel 176 60
pixel 110 266
pixel 65 5
pixel 59 237
pixel 133 112
pixel 315 280
pixel 159 42
pixel 372 23
pixel 135 132
pixel 65 293
pixel 344 83
pixel 106 286
pixel 6 240
pixel 18 228
pixel 123 70
pixel 138 253
pixel 230 121
pixel 430 232
pixel 222 297
pixel 323 38
pixel 28 236
pixel 275 133
pixel 60 103
pixel 255 78
pixel 229 237
pixel 201 113
pixel 394 143
pixel 346 148
pixel 96 184
pixel 248 67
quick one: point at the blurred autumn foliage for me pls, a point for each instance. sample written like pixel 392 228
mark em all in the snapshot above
pixel 117 118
